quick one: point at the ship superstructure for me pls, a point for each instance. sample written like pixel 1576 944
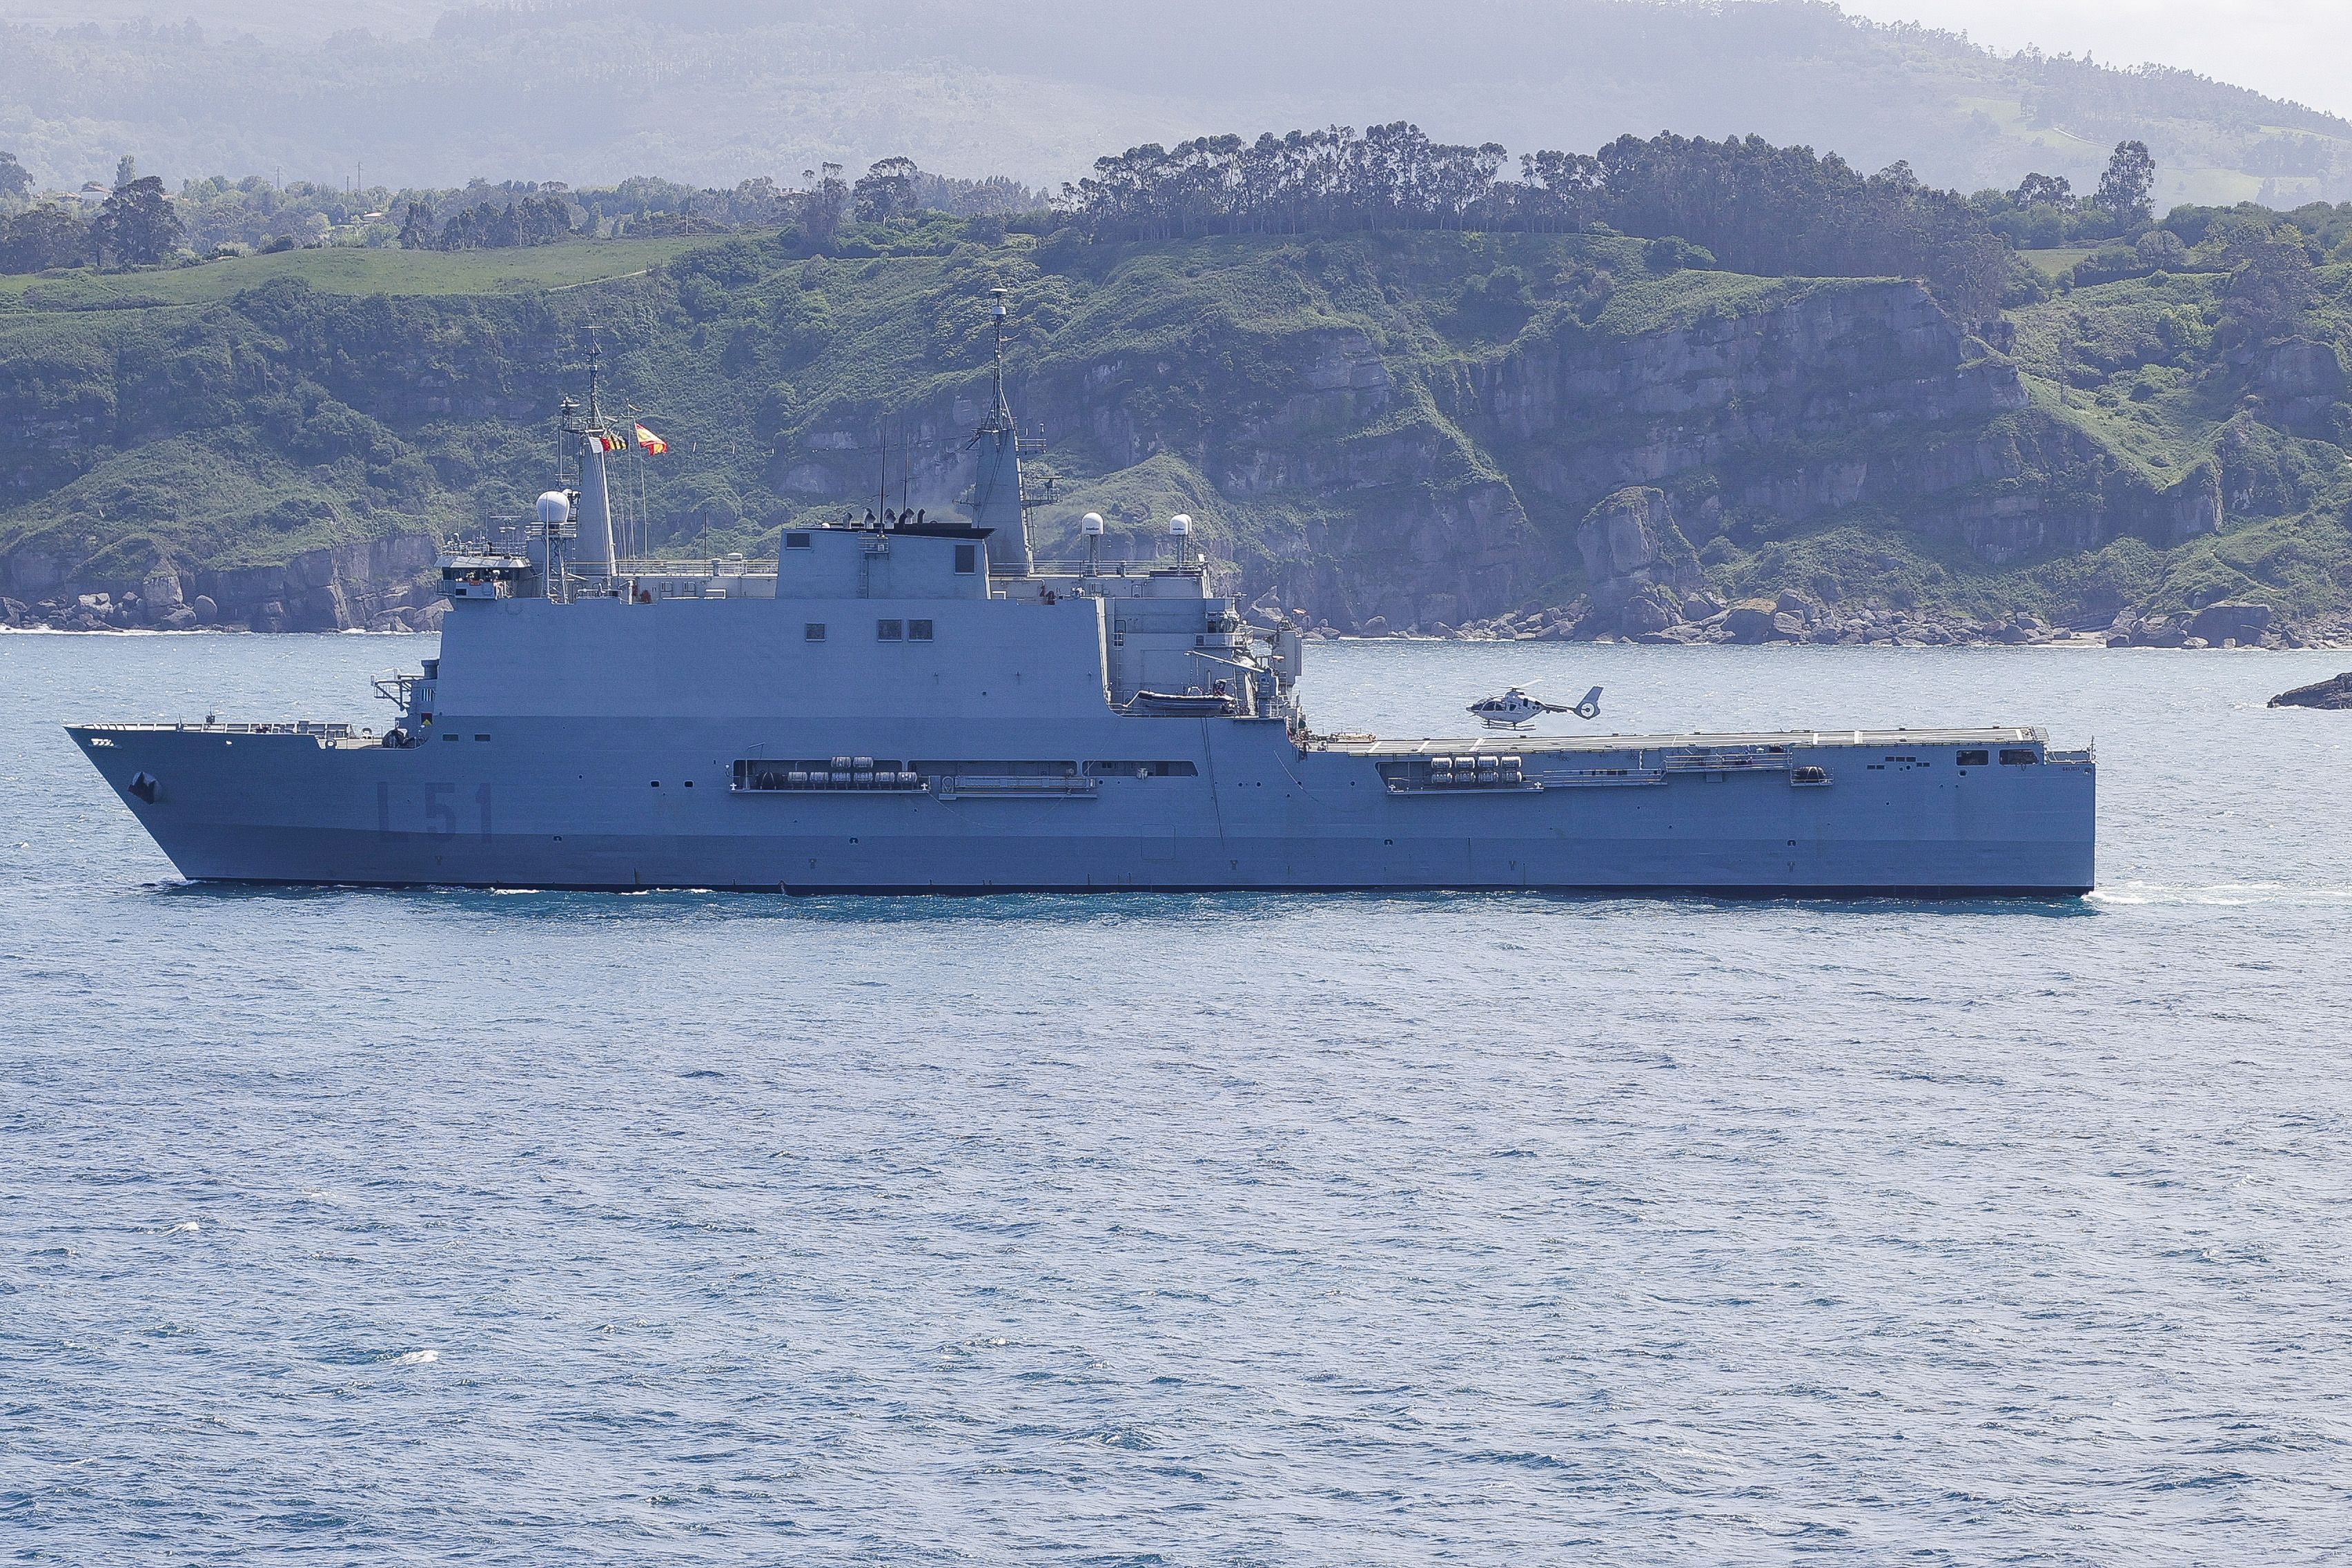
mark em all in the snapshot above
pixel 911 705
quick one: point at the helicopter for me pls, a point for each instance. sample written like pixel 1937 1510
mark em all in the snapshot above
pixel 1514 710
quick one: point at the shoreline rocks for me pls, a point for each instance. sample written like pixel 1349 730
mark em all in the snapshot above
pixel 378 584
pixel 2333 693
pixel 1791 618
pixel 1795 617
pixel 1648 594
pixel 1639 565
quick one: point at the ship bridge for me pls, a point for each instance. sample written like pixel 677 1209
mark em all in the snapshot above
pixel 900 611
pixel 857 608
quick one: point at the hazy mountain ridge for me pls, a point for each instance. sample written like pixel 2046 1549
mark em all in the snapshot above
pixel 723 90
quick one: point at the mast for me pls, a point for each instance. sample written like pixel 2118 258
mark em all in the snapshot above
pixel 996 477
pixel 595 553
pixel 1004 409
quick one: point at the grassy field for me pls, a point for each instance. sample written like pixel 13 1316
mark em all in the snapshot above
pixel 2009 115
pixel 354 271
pixel 2055 262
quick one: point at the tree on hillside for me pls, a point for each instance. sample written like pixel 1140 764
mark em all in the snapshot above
pixel 16 180
pixel 2125 188
pixel 887 190
pixel 2272 285
pixel 1755 207
pixel 2044 190
pixel 1784 210
pixel 417 228
pixel 2160 247
pixel 126 169
pixel 485 226
pixel 996 193
pixel 755 201
pixel 1389 177
pixel 822 205
pixel 137 225
pixel 41 238
pixel 1569 187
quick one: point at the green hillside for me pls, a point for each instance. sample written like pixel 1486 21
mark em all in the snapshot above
pixel 1413 427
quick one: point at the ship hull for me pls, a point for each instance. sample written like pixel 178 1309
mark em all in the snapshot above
pixel 538 805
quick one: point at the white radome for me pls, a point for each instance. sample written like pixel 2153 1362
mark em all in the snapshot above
pixel 1180 525
pixel 555 508
pixel 1091 525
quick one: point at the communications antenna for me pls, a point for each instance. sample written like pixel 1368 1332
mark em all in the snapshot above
pixel 1004 409
pixel 595 353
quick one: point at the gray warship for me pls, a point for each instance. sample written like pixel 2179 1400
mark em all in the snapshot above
pixel 907 705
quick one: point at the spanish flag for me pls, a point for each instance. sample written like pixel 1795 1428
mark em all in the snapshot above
pixel 651 442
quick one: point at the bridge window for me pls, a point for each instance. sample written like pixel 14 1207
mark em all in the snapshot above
pixel 1973 759
pixel 2019 758
pixel 798 541
pixel 890 631
pixel 814 631
pixel 967 558
pixel 918 631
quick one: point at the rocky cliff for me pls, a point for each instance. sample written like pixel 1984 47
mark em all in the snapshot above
pixel 385 583
pixel 286 461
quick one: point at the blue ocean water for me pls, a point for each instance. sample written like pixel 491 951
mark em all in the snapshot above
pixel 342 1226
